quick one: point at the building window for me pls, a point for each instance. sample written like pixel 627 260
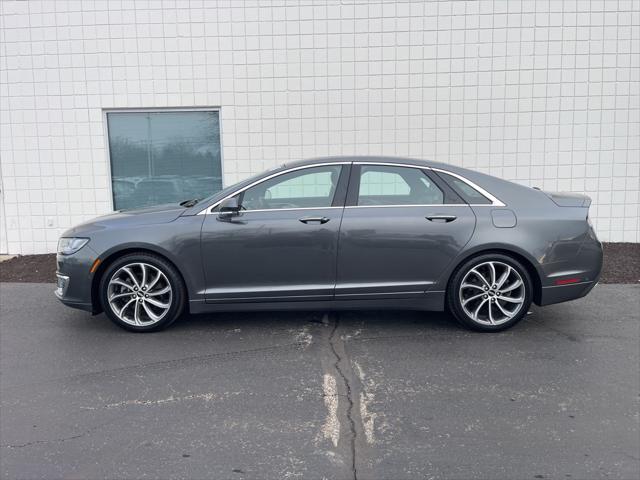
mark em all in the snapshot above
pixel 163 156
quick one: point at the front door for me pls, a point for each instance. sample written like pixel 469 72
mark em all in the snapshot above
pixel 401 228
pixel 283 244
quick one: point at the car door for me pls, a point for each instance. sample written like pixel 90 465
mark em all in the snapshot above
pixel 282 246
pixel 401 227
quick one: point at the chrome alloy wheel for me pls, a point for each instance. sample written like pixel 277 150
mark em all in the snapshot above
pixel 139 294
pixel 492 293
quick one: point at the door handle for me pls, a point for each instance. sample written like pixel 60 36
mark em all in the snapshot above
pixel 320 220
pixel 441 218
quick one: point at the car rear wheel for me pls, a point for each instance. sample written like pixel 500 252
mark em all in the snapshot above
pixel 142 292
pixel 490 293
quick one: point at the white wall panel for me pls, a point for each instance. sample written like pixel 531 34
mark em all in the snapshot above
pixel 546 93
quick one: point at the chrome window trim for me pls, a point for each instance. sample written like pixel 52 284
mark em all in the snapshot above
pixel 207 210
pixel 281 209
pixel 422 205
pixel 495 202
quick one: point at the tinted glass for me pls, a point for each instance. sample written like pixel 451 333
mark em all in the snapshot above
pixel 163 157
pixel 466 191
pixel 386 185
pixel 309 187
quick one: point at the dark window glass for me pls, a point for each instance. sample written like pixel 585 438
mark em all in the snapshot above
pixel 466 191
pixel 386 185
pixel 163 157
pixel 305 188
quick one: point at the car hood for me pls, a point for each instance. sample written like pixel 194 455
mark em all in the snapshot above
pixel 142 216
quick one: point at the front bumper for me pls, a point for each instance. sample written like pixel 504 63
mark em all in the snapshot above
pixel 62 283
pixel 74 279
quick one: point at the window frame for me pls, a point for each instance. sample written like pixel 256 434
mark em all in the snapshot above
pixel 105 124
pixel 338 197
pixel 346 188
pixel 432 173
pixel 450 198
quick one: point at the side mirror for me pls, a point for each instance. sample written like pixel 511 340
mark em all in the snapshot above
pixel 229 207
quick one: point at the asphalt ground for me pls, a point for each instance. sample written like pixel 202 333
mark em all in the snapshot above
pixel 307 394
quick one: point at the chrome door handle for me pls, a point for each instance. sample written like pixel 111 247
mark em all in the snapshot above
pixel 441 218
pixel 314 220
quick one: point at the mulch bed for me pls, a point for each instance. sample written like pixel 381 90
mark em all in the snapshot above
pixel 621 265
pixel 29 269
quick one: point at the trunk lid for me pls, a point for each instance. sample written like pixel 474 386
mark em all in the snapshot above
pixel 569 199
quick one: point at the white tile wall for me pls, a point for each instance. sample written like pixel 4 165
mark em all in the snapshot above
pixel 545 93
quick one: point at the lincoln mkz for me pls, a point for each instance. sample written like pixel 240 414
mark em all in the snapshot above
pixel 334 234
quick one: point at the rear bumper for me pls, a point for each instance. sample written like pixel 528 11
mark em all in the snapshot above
pixel 564 293
pixel 575 276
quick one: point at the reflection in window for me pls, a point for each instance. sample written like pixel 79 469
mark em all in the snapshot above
pixel 163 157
pixel 386 185
pixel 305 188
pixel 311 185
pixel 382 183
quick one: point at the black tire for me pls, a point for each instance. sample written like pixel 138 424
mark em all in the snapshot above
pixel 454 300
pixel 177 293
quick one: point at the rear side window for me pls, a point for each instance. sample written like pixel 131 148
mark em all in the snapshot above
pixel 387 185
pixel 466 191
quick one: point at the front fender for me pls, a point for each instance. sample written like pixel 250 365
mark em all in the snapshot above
pixel 177 242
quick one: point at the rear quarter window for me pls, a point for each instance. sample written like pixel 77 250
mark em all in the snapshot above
pixel 466 191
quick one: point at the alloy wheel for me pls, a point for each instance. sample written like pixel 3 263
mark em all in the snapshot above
pixel 492 293
pixel 139 294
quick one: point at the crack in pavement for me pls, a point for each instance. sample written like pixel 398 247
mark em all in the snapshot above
pixel 349 397
pixel 162 364
pixel 59 440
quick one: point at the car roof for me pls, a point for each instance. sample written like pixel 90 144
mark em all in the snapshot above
pixel 368 158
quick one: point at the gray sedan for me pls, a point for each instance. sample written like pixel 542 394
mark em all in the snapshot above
pixel 338 233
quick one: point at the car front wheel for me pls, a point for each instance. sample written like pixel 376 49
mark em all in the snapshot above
pixel 490 292
pixel 142 292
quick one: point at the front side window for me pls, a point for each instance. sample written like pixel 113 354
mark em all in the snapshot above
pixel 305 188
pixel 163 157
pixel 387 185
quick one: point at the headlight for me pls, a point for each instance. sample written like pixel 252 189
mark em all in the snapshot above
pixel 70 245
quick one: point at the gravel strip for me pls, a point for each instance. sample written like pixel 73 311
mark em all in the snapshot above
pixel 621 265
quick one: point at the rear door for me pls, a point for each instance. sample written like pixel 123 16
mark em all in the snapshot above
pixel 401 227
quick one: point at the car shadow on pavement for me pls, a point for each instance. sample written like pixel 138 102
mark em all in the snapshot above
pixel 357 320
pixel 348 320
